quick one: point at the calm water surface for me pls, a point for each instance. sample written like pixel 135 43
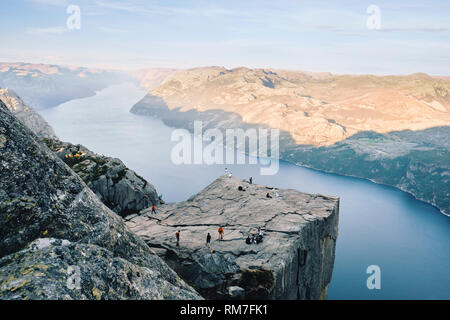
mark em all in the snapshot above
pixel 379 225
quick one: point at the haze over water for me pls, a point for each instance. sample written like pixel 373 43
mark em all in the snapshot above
pixel 379 225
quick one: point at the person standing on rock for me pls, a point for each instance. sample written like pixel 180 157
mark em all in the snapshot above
pixel 226 172
pixel 220 233
pixel 178 237
pixel 208 240
pixel 153 209
pixel 250 180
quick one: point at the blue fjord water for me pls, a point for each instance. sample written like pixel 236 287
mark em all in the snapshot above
pixel 379 225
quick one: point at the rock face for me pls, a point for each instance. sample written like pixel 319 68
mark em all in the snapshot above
pixel 26 114
pixel 58 241
pixel 121 189
pixel 294 261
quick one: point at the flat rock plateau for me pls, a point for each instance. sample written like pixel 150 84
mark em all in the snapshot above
pixel 294 261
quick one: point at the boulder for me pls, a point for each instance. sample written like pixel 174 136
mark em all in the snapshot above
pixel 117 186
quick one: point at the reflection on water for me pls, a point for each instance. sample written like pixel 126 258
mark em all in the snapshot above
pixel 379 225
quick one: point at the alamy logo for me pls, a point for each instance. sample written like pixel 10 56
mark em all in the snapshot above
pixel 374 20
pixel 220 150
pixel 374 281
pixel 74 20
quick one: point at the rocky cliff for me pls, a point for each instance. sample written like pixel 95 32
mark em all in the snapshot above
pixel 26 114
pixel 294 261
pixel 117 186
pixel 58 241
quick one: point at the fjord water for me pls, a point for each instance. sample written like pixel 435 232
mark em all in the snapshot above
pixel 408 239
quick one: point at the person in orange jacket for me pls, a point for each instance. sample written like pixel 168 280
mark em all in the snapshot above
pixel 220 233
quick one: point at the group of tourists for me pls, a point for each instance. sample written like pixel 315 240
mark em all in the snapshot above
pixel 257 237
pixel 208 236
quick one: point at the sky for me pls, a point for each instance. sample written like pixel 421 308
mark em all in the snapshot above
pixel 346 36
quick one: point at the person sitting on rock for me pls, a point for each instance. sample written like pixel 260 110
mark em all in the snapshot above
pixel 258 239
pixel 178 237
pixel 268 195
pixel 208 240
pixel 248 240
pixel 153 209
pixel 220 233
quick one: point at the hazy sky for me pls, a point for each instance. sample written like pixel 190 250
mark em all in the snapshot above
pixel 414 36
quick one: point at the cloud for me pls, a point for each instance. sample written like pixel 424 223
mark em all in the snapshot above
pixel 424 29
pixel 164 10
pixel 59 3
pixel 47 31
pixel 111 30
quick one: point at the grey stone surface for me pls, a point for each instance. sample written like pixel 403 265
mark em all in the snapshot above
pixel 26 114
pixel 42 198
pixel 117 186
pixel 294 261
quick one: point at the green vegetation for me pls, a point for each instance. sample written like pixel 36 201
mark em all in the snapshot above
pixel 422 168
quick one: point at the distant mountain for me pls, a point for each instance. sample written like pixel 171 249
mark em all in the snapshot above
pixel 393 130
pixel 44 86
pixel 26 114
pixel 314 108
pixel 152 77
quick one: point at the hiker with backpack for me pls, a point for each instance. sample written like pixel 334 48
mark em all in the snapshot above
pixel 208 240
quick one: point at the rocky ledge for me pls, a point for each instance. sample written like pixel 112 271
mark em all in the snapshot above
pixel 58 241
pixel 118 187
pixel 294 261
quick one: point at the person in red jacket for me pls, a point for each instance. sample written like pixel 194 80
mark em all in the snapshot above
pixel 220 233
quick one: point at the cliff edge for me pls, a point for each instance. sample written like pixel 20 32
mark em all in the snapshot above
pixel 294 260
